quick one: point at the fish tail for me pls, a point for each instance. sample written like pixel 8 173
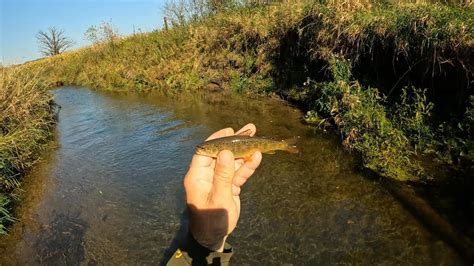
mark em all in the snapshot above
pixel 291 147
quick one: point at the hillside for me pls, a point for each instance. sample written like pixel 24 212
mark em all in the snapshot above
pixel 393 80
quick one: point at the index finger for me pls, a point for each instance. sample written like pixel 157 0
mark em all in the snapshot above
pixel 221 133
pixel 248 130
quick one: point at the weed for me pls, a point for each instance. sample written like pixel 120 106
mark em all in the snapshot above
pixel 412 115
pixel 26 120
pixel 371 68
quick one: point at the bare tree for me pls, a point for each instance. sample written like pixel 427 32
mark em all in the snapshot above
pixel 179 12
pixel 53 41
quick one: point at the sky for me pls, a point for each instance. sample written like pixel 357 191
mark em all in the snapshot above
pixel 20 21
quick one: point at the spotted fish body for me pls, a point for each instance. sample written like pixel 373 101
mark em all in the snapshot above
pixel 244 146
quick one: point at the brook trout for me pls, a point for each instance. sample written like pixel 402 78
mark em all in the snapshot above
pixel 245 146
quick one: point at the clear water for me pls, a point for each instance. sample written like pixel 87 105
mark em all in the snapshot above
pixel 110 190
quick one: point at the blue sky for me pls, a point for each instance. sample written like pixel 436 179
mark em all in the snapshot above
pixel 20 20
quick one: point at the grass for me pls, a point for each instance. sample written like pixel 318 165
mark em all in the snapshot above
pixel 362 120
pixel 381 72
pixel 392 77
pixel 26 120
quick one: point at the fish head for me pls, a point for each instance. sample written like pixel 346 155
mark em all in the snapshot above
pixel 200 149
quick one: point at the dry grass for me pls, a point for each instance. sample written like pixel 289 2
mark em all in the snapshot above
pixel 277 47
pixel 273 48
pixel 26 119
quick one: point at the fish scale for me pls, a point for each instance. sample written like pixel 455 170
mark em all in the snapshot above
pixel 245 146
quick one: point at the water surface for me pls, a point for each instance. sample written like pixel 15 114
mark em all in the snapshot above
pixel 110 191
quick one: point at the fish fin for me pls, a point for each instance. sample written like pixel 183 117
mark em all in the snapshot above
pixel 246 132
pixel 292 149
pixel 270 152
pixel 247 158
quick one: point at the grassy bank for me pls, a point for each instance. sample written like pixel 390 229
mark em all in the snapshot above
pixel 26 120
pixel 394 79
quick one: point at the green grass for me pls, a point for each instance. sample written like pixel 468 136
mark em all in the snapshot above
pixel 365 67
pixel 391 77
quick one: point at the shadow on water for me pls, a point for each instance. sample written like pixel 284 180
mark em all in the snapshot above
pixel 180 233
pixel 422 209
pixel 188 244
pixel 112 192
pixel 178 238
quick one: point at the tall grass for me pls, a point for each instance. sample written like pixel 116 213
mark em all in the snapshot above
pixel 389 75
pixel 26 118
pixel 393 77
pixel 412 72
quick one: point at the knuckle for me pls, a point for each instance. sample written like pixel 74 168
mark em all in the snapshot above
pixel 223 174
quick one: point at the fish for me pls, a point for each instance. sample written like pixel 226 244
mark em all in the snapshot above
pixel 244 146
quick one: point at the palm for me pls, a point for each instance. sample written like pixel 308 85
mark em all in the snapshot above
pixel 213 215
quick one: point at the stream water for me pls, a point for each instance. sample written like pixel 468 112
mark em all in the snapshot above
pixel 110 190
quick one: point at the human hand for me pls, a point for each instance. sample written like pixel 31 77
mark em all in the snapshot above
pixel 212 191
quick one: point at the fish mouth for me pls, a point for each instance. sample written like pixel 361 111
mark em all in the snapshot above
pixel 199 151
pixel 202 152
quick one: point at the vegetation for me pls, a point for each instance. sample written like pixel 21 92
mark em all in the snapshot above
pixel 392 77
pixel 361 118
pixel 104 33
pixel 53 41
pixel 26 119
pixel 421 71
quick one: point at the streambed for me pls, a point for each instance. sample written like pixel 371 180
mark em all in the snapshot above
pixel 110 191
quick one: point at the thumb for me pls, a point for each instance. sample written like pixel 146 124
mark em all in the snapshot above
pixel 223 175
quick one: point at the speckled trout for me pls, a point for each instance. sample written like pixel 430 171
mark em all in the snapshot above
pixel 245 146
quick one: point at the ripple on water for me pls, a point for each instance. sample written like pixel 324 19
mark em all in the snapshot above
pixel 112 192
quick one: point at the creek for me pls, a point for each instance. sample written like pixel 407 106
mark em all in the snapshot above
pixel 109 190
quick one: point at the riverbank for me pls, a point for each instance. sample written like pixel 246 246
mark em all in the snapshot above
pixel 392 79
pixel 26 121
pixel 111 189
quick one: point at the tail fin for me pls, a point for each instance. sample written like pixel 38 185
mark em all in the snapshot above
pixel 291 148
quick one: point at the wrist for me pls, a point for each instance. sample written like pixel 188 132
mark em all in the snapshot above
pixel 226 247
pixel 191 252
pixel 208 229
pixel 209 241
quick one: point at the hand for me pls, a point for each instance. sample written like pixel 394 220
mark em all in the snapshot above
pixel 212 191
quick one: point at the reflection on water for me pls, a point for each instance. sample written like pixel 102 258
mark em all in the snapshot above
pixel 111 192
